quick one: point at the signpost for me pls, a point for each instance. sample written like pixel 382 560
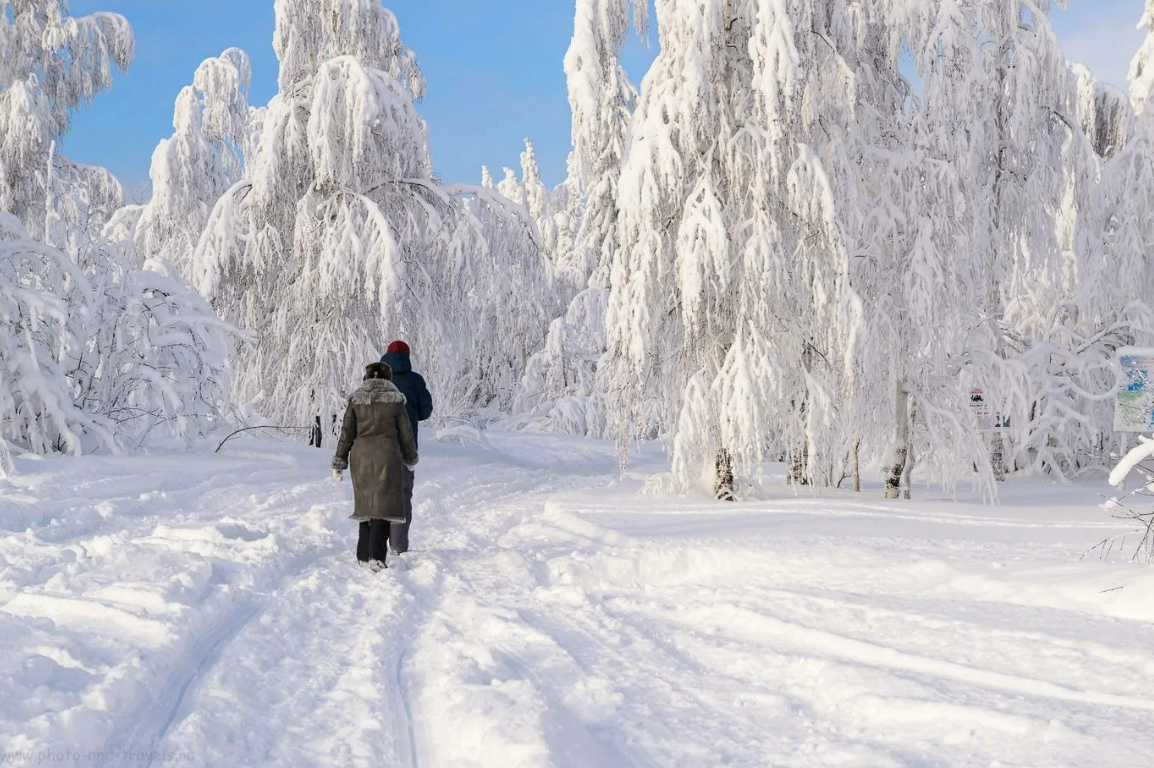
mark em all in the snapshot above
pixel 978 404
pixel 1134 411
pixel 988 420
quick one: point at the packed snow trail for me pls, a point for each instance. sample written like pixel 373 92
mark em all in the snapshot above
pixel 207 611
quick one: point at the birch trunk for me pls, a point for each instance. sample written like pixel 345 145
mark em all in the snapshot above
pixel 723 484
pixel 901 444
pixel 6 465
pixel 799 465
pixel 998 455
pixel 911 457
pixel 856 461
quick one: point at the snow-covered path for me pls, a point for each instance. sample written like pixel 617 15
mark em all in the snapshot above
pixel 205 611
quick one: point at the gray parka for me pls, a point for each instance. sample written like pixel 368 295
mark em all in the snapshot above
pixel 378 439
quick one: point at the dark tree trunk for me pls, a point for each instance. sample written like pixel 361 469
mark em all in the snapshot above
pixel 901 444
pixel 894 476
pixel 799 465
pixel 315 437
pixel 911 457
pixel 723 483
pixel 998 455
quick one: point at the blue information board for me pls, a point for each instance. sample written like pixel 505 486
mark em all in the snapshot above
pixel 1134 411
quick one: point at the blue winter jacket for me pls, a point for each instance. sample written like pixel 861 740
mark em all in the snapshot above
pixel 418 401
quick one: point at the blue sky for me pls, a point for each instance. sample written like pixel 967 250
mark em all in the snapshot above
pixel 494 70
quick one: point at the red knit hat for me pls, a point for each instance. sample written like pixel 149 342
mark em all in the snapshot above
pixel 398 347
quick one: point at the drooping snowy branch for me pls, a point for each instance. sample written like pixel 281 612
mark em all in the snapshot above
pixel 205 155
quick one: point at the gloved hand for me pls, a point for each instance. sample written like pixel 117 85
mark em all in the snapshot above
pixel 338 475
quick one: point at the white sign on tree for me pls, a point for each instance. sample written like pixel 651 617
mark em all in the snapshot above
pixel 989 420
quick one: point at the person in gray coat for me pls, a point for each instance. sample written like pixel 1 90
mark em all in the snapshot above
pixel 377 441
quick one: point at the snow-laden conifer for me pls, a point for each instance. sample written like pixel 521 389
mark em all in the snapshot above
pixel 511 187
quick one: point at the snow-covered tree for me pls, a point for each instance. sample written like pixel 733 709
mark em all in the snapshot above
pixel 6 464
pixel 99 355
pixel 339 241
pixel 536 195
pixel 732 316
pixel 1104 113
pixel 40 290
pixel 1142 66
pixel 50 65
pixel 511 188
pixel 992 223
pixel 548 209
pixel 562 389
pixel 81 200
pixel 602 99
pixel 154 358
pixel 203 158
pixel 909 214
pixel 96 354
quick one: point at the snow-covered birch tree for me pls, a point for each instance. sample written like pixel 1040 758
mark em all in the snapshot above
pixel 602 99
pixel 1142 65
pixel 202 159
pixel 562 389
pixel 50 65
pixel 339 241
pixel 43 295
pixel 94 354
pixel 731 314
pixel 910 220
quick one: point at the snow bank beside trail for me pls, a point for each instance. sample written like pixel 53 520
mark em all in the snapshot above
pixel 856 632
pixel 121 577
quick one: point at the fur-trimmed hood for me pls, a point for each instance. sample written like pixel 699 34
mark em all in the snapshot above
pixel 376 391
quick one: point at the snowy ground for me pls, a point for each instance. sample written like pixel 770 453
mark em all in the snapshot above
pixel 204 611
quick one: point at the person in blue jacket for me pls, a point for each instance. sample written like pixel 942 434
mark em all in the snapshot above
pixel 419 404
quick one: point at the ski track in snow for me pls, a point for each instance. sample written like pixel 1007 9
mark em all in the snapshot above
pixel 206 610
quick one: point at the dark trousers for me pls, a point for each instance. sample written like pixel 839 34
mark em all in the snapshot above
pixel 399 532
pixel 373 541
